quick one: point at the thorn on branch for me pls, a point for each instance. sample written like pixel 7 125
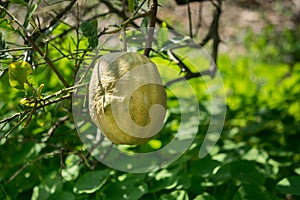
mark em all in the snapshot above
pixel 188 73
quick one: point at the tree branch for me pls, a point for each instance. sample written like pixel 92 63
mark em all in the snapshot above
pixel 185 69
pixel 190 19
pixel 182 2
pixel 40 104
pixel 124 24
pixel 47 59
pixel 15 49
pixel 120 13
pixel 151 28
pixel 35 47
pixel 55 19
pixel 213 34
pixel 57 124
pixel 30 162
pixel 189 76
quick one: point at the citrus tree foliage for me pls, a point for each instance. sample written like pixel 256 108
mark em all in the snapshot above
pixel 42 46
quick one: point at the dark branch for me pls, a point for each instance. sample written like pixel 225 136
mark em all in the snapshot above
pixel 182 2
pixel 151 28
pixel 55 19
pixel 120 13
pixel 188 73
pixel 47 59
pixel 213 34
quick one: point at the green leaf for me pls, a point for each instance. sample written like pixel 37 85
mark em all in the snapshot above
pixel 204 196
pixel 6 24
pixel 24 152
pixel 50 185
pixel 163 35
pixel 93 41
pixel 90 30
pixel 166 179
pixel 253 192
pixel 297 170
pixel 223 174
pixel 91 181
pixel 131 188
pixel 244 171
pixel 71 170
pixel 204 166
pixel 175 195
pixel 247 172
pixel 258 155
pixel 18 74
pixel 289 185
pixel 39 90
pixel 167 183
pixel 65 195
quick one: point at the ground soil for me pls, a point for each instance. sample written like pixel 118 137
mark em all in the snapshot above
pixel 237 18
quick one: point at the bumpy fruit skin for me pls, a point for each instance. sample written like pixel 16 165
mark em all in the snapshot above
pixel 125 116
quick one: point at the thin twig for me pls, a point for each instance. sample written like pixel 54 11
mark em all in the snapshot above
pixel 30 162
pixel 15 49
pixel 213 34
pixel 214 26
pixel 13 128
pixel 39 105
pixel 18 172
pixel 189 76
pixel 32 111
pixel 130 20
pixel 199 23
pixel 64 91
pixel 140 6
pixel 57 124
pixel 7 119
pixel 48 61
pixel 178 61
pixel 125 24
pixel 120 13
pixel 35 47
pixel 56 18
pixel 190 19
pixel 186 70
pixel 182 2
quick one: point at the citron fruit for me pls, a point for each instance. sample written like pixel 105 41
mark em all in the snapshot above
pixel 127 100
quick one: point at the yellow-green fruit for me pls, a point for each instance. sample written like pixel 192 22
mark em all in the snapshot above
pixel 127 100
